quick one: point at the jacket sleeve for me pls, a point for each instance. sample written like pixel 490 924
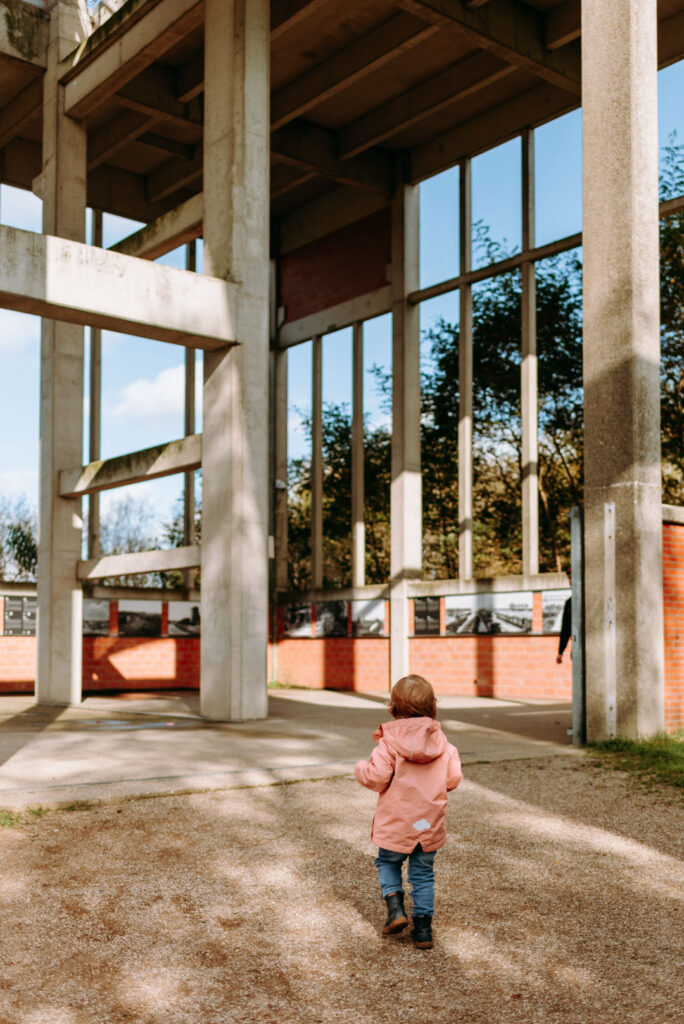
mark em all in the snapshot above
pixel 454 773
pixel 377 772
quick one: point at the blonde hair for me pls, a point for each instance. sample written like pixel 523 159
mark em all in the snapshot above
pixel 412 697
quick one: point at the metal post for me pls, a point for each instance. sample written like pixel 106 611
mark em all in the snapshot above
pixel 189 480
pixel 357 483
pixel 528 370
pixel 317 464
pixel 95 402
pixel 465 384
pixel 579 728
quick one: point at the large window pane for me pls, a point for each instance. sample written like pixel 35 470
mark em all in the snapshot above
pixel 337 382
pixel 497 444
pixel 299 464
pixel 377 412
pixel 558 178
pixel 497 203
pixel 560 403
pixel 670 110
pixel 439 319
pixel 439 248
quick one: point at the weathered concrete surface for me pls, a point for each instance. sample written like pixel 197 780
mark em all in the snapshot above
pixel 132 746
pixel 235 499
pixel 623 544
pixel 147 464
pixel 81 284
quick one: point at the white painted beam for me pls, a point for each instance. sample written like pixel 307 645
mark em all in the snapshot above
pixel 81 284
pixel 179 456
pixel 178 226
pixel 110 59
pixel 135 562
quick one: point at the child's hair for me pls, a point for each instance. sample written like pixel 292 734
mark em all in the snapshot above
pixel 412 697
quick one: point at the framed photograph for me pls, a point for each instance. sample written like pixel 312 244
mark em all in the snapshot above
pixel 426 616
pixel 95 617
pixel 490 613
pixel 331 618
pixel 368 618
pixel 14 616
pixel 184 618
pixel 297 620
pixel 140 618
pixel 553 603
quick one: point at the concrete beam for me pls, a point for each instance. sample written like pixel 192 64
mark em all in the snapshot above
pixel 306 145
pixel 288 14
pixel 173 175
pixel 114 55
pixel 364 307
pixel 81 284
pixel 350 65
pixel 177 227
pixel 671 39
pixel 190 79
pixel 124 192
pixel 562 24
pixel 135 562
pixel 154 93
pixel 179 456
pixel 327 213
pixel 122 129
pixel 22 109
pixel 537 105
pixel 459 82
pixel 23 35
pixel 286 179
pixel 512 31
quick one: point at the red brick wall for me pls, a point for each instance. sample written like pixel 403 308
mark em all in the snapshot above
pixel 346 263
pixel 124 662
pixel 673 599
pixel 338 663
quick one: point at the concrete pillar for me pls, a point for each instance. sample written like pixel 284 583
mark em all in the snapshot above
pixel 623 518
pixel 189 429
pixel 235 434
pixel 63 188
pixel 95 410
pixel 465 383
pixel 406 494
pixel 317 463
pixel 357 459
pixel 528 370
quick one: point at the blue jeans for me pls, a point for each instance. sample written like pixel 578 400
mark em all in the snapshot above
pixel 421 875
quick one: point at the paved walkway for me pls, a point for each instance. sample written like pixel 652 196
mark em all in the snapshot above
pixel 143 744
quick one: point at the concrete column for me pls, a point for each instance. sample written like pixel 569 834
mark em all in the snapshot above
pixel 63 188
pixel 465 383
pixel 235 433
pixel 189 429
pixel 623 518
pixel 317 463
pixel 357 459
pixel 528 369
pixel 95 394
pixel 406 495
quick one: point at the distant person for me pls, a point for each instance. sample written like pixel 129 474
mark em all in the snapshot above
pixel 413 768
pixel 566 626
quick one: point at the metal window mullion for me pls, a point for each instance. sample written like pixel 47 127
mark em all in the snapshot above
pixel 357 482
pixel 189 426
pixel 528 369
pixel 95 411
pixel 465 383
pixel 317 463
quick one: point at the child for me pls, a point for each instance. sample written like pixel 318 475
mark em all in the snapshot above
pixel 412 768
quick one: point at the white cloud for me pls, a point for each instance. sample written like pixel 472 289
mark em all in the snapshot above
pixel 159 398
pixel 24 480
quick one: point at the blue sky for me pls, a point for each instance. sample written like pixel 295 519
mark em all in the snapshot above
pixel 143 379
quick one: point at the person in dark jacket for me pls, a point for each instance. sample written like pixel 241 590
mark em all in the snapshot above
pixel 566 626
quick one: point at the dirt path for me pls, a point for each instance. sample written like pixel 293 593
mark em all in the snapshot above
pixel 560 897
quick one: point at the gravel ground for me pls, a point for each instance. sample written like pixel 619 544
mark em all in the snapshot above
pixel 559 898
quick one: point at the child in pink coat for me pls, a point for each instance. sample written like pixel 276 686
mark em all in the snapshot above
pixel 413 768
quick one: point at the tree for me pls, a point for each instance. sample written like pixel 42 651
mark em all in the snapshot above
pixel 672 326
pixel 18 539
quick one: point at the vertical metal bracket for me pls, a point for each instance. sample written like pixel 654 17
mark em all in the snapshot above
pixel 579 724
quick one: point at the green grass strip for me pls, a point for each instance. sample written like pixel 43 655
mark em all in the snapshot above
pixel 657 759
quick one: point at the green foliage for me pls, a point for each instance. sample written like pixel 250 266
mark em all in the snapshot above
pixel 658 759
pixel 18 540
pixel 672 328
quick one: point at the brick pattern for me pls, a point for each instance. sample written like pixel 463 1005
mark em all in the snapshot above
pixel 343 265
pixel 125 662
pixel 673 600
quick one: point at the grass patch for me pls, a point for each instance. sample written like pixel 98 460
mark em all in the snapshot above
pixel 8 819
pixel 658 759
pixel 78 805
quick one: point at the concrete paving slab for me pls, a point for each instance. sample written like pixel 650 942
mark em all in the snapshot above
pixel 113 747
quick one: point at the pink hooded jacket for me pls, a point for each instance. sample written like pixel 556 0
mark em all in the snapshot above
pixel 412 768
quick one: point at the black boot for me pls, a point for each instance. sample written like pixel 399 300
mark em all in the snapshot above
pixel 396 915
pixel 421 933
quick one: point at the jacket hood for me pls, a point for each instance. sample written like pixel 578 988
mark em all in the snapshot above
pixel 415 739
